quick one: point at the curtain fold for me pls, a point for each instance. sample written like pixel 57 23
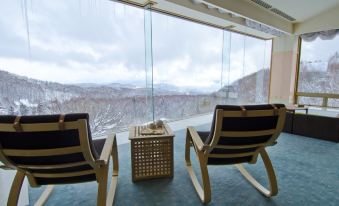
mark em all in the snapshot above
pixel 324 35
pixel 261 27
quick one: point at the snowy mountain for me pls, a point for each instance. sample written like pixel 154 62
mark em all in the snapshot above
pixel 252 88
pixel 111 106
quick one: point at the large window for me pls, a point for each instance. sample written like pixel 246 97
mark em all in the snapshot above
pixel 187 67
pixel 319 71
pixel 197 67
pixel 250 60
pixel 73 56
pixel 123 65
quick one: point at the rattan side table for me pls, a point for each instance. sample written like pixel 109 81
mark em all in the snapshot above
pixel 151 155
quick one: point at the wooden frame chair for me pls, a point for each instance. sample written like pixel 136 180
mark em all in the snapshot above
pixel 56 149
pixel 238 135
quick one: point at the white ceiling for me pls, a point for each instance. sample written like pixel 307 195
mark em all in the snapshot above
pixel 225 13
pixel 302 10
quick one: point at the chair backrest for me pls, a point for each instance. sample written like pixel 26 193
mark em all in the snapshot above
pixel 50 149
pixel 238 133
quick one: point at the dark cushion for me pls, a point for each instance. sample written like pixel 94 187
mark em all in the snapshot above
pixel 203 135
pixel 229 161
pixel 98 144
pixel 218 161
pixel 244 123
pixel 48 140
pixel 44 140
pixel 240 124
pixel 65 180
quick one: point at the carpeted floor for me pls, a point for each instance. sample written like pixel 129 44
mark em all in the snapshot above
pixel 307 171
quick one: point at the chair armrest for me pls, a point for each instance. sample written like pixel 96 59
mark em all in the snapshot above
pixel 4 167
pixel 273 143
pixel 107 150
pixel 196 138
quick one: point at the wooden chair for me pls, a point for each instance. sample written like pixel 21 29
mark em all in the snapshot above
pixel 56 149
pixel 238 135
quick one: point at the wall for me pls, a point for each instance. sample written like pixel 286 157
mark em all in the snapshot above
pixel 325 21
pixel 283 70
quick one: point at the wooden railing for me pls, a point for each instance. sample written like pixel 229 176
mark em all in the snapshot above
pixel 324 96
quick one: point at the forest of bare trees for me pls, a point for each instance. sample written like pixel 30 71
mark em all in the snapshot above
pixel 113 108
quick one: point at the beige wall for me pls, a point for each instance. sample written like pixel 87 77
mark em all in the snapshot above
pixel 283 71
pixel 325 21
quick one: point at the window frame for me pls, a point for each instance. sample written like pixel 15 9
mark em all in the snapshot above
pixel 297 93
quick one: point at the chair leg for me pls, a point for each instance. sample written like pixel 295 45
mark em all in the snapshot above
pixel 204 192
pixel 102 186
pixel 44 196
pixel 270 173
pixel 14 194
pixel 105 198
pixel 114 178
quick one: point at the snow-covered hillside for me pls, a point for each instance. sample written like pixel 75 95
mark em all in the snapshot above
pixel 114 106
pixel 111 107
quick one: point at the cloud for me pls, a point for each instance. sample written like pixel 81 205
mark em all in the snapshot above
pixel 319 49
pixel 72 71
pixel 66 46
pixel 103 41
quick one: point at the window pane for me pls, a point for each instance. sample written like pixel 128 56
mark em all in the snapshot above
pixel 85 57
pixel 249 74
pixel 319 69
pixel 333 102
pixel 187 67
pixel 225 91
pixel 149 63
pixel 316 101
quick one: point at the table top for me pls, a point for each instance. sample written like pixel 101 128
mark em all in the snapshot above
pixel 135 132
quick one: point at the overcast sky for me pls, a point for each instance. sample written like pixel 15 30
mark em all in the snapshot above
pixel 318 52
pixel 88 41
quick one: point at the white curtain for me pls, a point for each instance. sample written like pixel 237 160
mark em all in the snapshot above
pixel 324 35
pixel 263 28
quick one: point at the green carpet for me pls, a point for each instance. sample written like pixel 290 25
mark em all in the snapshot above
pixel 307 172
